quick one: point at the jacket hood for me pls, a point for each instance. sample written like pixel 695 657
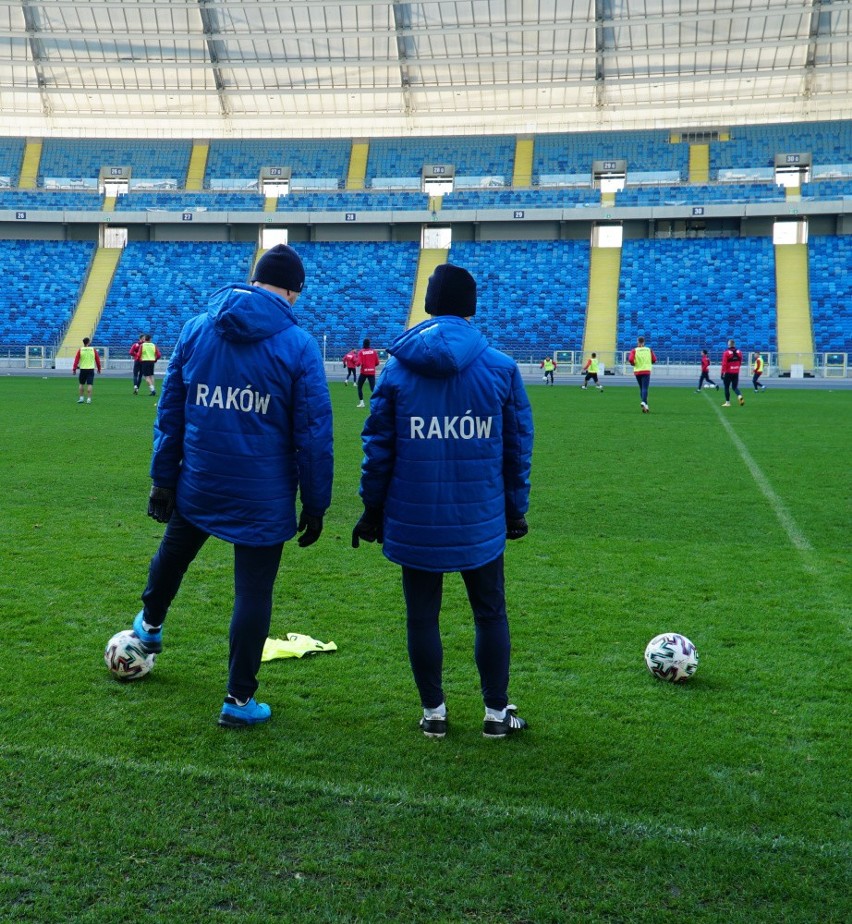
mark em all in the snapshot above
pixel 245 314
pixel 439 347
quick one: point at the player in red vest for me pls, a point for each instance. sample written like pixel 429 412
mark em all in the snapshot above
pixel 705 372
pixel 368 360
pixel 136 354
pixel 350 364
pixel 732 359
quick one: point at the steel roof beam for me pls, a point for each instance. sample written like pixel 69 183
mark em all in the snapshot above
pixel 36 54
pixel 209 25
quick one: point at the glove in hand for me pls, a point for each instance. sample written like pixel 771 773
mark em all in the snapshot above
pixel 161 503
pixel 370 528
pixel 310 528
pixel 517 529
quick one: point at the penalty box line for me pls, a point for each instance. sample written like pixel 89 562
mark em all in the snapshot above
pixel 797 538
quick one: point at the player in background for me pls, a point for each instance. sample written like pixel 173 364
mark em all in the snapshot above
pixel 549 366
pixel 150 353
pixel 705 372
pixel 732 360
pixel 86 360
pixel 135 352
pixel 350 364
pixel 757 368
pixel 368 361
pixel 591 368
pixel 642 359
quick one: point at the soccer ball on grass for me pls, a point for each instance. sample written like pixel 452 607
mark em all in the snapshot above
pixel 126 658
pixel 671 657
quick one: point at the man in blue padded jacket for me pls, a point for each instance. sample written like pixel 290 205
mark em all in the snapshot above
pixel 243 426
pixel 445 481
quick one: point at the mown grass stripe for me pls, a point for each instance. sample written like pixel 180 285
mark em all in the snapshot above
pixel 638 830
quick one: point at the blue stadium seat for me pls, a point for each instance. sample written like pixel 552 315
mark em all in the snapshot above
pixel 32 200
pixel 355 290
pixel 11 157
pixel 567 197
pixel 180 201
pixel 242 159
pixel 479 156
pixel 42 282
pixel 531 295
pixel 698 194
pixel 695 294
pixel 831 292
pixel 756 145
pixel 572 153
pixel 82 158
pixel 827 189
pixel 158 286
pixel 366 201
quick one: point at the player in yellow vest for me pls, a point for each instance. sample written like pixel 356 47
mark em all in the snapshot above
pixel 149 356
pixel 642 358
pixel 549 367
pixel 86 360
pixel 757 368
pixel 591 368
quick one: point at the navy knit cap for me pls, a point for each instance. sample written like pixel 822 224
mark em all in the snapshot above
pixel 281 267
pixel 451 290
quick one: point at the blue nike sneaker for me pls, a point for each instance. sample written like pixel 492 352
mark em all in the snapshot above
pixel 235 716
pixel 152 641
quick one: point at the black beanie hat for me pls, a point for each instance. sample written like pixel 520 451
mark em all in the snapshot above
pixel 451 290
pixel 281 267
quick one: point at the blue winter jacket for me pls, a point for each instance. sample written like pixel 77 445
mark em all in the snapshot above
pixel 244 420
pixel 447 447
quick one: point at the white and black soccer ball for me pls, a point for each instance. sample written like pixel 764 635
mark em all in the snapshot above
pixel 126 658
pixel 671 657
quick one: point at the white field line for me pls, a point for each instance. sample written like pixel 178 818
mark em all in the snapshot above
pixel 462 805
pixel 799 540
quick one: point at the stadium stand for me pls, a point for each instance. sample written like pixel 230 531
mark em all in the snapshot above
pixel 189 201
pixel 484 158
pixel 830 259
pixel 369 201
pixel 355 290
pixel 827 189
pixel 756 145
pixel 11 155
pixel 158 286
pixel 686 295
pixel 81 159
pixel 699 194
pixel 570 154
pixel 568 197
pixel 532 295
pixel 49 200
pixel 683 293
pixel 42 281
pixel 321 161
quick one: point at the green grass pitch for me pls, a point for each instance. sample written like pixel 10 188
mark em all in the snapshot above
pixel 629 800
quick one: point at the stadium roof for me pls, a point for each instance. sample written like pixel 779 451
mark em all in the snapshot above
pixel 366 68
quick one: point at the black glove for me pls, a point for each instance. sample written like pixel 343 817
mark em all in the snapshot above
pixel 311 527
pixel 370 528
pixel 516 529
pixel 161 503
